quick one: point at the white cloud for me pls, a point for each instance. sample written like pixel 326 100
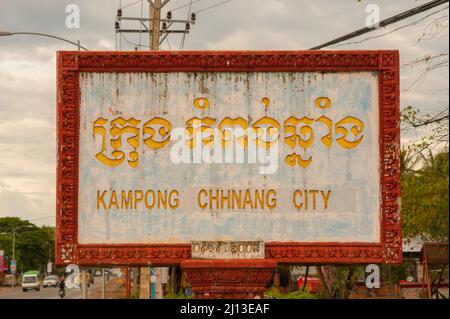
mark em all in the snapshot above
pixel 28 70
pixel 105 44
pixel 272 8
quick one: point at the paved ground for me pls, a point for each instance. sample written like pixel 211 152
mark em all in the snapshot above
pixel 44 293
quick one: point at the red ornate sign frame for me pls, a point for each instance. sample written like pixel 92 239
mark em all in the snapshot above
pixel 70 64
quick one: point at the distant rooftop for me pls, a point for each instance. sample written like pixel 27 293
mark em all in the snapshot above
pixel 412 245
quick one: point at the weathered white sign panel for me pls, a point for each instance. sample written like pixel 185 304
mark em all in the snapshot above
pixel 315 180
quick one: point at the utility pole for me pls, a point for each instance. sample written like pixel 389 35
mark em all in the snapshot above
pixel 156 36
pixel 14 245
pixel 14 240
pixel 154 24
pixel 157 28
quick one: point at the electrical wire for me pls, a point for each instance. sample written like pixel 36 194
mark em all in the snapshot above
pixel 424 60
pixel 133 43
pixel 185 5
pixel 213 6
pixel 42 218
pixel 140 24
pixel 184 34
pixel 168 43
pixel 129 5
pixel 120 38
pixel 34 219
pixel 392 31
pixel 383 23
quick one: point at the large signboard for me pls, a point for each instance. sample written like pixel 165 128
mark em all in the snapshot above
pixel 298 150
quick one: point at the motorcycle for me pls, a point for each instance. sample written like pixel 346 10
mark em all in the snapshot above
pixel 62 293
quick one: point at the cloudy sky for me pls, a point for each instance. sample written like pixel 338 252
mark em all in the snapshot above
pixel 27 65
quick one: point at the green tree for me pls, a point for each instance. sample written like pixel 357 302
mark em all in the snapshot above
pixel 34 245
pixel 425 206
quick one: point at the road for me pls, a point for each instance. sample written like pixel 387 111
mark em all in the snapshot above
pixel 44 293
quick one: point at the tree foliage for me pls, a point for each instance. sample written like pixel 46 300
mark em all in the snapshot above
pixel 274 293
pixel 435 124
pixel 425 194
pixel 343 280
pixel 34 245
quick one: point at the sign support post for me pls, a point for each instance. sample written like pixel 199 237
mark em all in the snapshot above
pixel 144 283
pixel 152 283
pixel 84 292
pixel 229 278
pixel 127 283
pixel 103 283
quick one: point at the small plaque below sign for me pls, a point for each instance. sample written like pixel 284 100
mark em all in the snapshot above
pixel 227 250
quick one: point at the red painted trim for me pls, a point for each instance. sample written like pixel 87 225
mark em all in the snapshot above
pixel 71 63
pixel 229 278
pixel 405 284
pixel 229 263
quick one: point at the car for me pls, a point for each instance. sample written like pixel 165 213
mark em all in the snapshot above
pixel 98 272
pixel 9 280
pixel 30 281
pixel 50 281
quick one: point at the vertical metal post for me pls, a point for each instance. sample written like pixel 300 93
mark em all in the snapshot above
pixel 127 283
pixel 428 280
pixel 103 283
pixel 84 293
pixel 152 283
pixel 390 278
pixel 161 274
pixel 14 245
pixel 144 283
pixel 423 281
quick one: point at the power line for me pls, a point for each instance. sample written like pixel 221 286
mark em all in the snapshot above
pixel 168 43
pixel 120 38
pixel 185 5
pixel 42 218
pixel 140 25
pixel 184 34
pixel 133 43
pixel 383 23
pixel 392 31
pixel 131 4
pixel 426 59
pixel 214 6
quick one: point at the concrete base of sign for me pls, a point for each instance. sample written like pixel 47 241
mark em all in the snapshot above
pixel 229 278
